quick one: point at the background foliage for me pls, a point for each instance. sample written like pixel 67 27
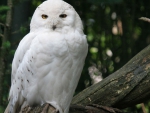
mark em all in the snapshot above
pixel 113 31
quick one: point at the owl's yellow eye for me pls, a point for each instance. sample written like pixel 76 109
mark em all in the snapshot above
pixel 63 16
pixel 44 16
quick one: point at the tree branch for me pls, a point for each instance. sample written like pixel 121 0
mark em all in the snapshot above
pixel 2 24
pixel 74 109
pixel 124 88
pixel 1 35
pixel 7 30
pixel 145 19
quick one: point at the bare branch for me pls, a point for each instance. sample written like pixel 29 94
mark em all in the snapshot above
pixel 73 109
pixel 17 31
pixel 7 30
pixel 2 24
pixel 143 108
pixel 145 19
pixel 1 35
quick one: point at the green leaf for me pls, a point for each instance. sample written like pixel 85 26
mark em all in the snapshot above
pixel 6 44
pixel 93 50
pixel 4 8
pixel 2 18
pixel 2 109
pixel 23 29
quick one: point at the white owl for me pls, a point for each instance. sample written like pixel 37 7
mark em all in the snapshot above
pixel 49 59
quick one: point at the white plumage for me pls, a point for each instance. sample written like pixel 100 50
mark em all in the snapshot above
pixel 49 59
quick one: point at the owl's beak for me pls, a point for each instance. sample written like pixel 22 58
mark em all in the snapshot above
pixel 54 27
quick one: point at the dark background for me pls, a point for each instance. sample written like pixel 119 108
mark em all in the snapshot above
pixel 114 34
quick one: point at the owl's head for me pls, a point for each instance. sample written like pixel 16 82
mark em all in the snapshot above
pixel 55 15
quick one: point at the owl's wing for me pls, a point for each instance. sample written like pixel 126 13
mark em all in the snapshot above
pixel 20 52
pixel 32 61
pixel 15 91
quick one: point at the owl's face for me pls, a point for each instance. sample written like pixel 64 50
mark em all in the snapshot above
pixel 55 15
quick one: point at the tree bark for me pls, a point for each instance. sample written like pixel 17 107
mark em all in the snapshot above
pixel 1 76
pixel 126 87
pixel 73 109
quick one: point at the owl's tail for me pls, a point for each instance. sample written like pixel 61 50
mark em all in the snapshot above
pixel 7 108
pixel 12 108
pixel 14 105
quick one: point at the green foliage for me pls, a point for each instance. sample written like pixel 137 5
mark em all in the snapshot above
pixel 2 18
pixel 2 109
pixel 23 30
pixel 36 3
pixel 3 8
pixel 105 1
pixel 6 44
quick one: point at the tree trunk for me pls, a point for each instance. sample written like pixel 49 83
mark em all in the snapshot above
pixel 1 76
pixel 124 88
pixel 7 31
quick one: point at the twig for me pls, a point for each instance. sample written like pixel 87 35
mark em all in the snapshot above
pixel 2 24
pixel 2 35
pixel 143 108
pixel 17 31
pixel 145 19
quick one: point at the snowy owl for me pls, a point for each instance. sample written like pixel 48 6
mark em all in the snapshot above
pixel 49 60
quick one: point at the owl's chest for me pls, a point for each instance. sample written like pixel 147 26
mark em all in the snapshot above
pixel 56 44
